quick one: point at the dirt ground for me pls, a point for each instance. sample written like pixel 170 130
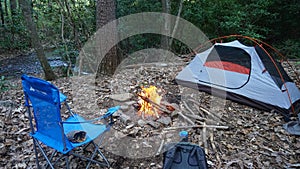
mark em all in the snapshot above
pixel 255 138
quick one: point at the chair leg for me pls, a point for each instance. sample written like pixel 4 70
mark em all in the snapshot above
pixel 45 156
pixel 92 157
pixel 51 157
pixel 104 158
pixel 94 153
pixel 36 153
pixel 67 161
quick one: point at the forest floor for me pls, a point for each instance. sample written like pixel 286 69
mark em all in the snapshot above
pixel 254 139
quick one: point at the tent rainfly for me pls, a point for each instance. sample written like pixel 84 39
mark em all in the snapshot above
pixel 247 74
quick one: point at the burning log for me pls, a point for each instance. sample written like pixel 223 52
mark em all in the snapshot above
pixel 161 108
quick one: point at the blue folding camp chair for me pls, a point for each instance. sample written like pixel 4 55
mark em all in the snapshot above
pixel 48 128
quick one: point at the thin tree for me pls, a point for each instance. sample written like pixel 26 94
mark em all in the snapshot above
pixel 105 13
pixel 166 7
pixel 26 7
pixel 2 14
pixel 13 11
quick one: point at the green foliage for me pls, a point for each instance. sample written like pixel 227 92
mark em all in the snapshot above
pixel 68 24
pixel 14 35
pixel 290 48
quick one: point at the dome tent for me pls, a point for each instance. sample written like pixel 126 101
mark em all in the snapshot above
pixel 248 75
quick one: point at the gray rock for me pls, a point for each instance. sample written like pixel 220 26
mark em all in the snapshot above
pixel 141 123
pixel 166 120
pixel 154 124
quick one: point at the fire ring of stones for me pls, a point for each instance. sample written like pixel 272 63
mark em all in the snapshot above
pixel 153 109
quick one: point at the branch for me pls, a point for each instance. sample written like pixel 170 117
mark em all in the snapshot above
pixel 186 118
pixel 197 126
pixel 188 108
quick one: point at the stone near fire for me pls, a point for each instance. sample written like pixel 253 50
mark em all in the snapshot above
pixel 166 120
pixel 141 123
pixel 154 124
pixel 121 97
pixel 123 117
pixel 129 103
pixel 124 107
pixel 129 126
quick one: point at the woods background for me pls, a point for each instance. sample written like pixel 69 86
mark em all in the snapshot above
pixel 63 26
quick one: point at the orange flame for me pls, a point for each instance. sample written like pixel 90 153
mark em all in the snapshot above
pixel 147 109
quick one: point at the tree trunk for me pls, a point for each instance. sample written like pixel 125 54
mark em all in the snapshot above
pixel 106 12
pixel 2 15
pixel 166 26
pixel 72 22
pixel 6 7
pixel 13 10
pixel 176 23
pixel 13 7
pixel 31 26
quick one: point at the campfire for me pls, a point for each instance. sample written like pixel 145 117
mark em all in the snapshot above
pixel 150 103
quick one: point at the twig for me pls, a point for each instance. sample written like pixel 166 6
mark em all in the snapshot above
pixel 215 149
pixel 293 165
pixel 196 117
pixel 204 110
pixel 196 126
pixel 186 118
pixel 204 139
pixel 267 148
pixel 188 108
pixel 160 147
pixel 156 114
pixel 209 113
pixel 232 162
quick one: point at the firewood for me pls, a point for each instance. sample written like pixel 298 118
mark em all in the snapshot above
pixel 196 126
pixel 161 108
pixel 209 113
pixel 188 108
pixel 214 148
pixel 204 139
pixel 186 118
pixel 160 146
pixel 196 117
pixel 204 110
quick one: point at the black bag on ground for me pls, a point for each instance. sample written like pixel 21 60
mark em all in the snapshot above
pixel 185 155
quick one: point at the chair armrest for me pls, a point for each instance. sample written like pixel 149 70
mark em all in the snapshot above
pixel 62 97
pixel 109 113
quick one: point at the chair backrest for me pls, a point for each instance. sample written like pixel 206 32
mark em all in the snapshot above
pixel 44 98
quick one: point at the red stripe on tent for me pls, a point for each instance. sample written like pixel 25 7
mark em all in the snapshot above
pixel 229 66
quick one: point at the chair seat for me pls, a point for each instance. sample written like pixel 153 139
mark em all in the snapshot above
pixel 92 132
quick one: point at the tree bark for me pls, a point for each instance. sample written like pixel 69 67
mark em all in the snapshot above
pixel 166 26
pixel 2 15
pixel 176 23
pixel 31 26
pixel 13 7
pixel 6 7
pixel 13 10
pixel 105 13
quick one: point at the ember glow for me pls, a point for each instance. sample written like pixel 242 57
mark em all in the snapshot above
pixel 146 96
